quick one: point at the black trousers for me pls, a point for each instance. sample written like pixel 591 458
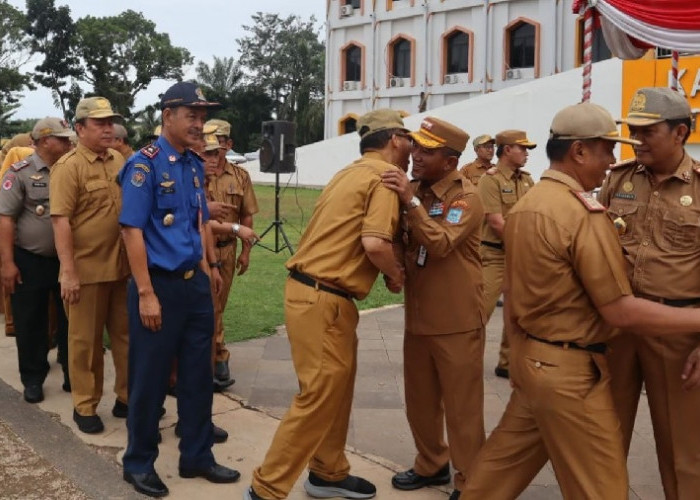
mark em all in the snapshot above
pixel 30 308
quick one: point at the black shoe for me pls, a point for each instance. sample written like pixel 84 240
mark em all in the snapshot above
pixel 89 424
pixel 33 393
pixel 214 474
pixel 220 385
pixel 120 410
pixel 148 483
pixel 66 385
pixel 409 480
pixel 499 303
pixel 455 495
pixel 502 372
pixel 221 371
pixel 350 487
pixel 250 494
pixel 220 435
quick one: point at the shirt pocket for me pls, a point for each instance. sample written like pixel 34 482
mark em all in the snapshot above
pixel 629 213
pixel 680 230
pixel 167 201
pixel 98 192
pixel 509 198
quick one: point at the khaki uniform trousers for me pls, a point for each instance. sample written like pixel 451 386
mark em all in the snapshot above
pixel 227 257
pixel 493 263
pixel 675 413
pixel 560 409
pixel 444 383
pixel 321 328
pixel 101 305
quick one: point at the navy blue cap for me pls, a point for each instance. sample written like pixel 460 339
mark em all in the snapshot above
pixel 185 94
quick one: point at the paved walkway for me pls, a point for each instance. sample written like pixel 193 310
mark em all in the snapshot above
pixel 379 437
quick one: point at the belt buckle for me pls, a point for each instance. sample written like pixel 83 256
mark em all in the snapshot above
pixel 188 274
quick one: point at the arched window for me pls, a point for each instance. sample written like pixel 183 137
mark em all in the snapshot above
pixel 600 48
pixel 401 50
pixel 347 124
pixel 457 47
pixel 521 45
pixel 353 63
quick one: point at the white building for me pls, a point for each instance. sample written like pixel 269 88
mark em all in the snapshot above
pixel 418 55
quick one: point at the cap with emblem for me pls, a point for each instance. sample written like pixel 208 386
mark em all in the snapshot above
pixel 436 133
pixel 94 107
pixel 211 142
pixel 652 105
pixel 514 137
pixel 185 94
pixel 50 126
pixel 480 140
pixel 378 120
pixel 221 127
pixel 586 121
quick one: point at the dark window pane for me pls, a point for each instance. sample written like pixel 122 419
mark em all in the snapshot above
pixel 350 125
pixel 402 58
pixel 355 3
pixel 600 48
pixel 353 63
pixel 522 46
pixel 458 53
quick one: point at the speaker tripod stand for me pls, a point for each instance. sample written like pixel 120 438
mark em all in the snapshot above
pixel 277 225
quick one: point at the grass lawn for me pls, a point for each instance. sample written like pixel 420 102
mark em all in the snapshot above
pixel 255 305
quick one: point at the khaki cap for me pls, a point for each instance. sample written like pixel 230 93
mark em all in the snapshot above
pixel 211 142
pixel 120 131
pixel 480 140
pixel 652 105
pixel 94 107
pixel 378 120
pixel 586 121
pixel 435 133
pixel 208 128
pixel 221 127
pixel 50 126
pixel 517 137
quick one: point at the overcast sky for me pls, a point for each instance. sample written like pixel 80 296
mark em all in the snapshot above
pixel 206 28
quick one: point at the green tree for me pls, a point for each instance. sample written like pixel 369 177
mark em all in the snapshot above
pixel 285 57
pixel 245 107
pixel 144 123
pixel 14 52
pixel 52 33
pixel 123 54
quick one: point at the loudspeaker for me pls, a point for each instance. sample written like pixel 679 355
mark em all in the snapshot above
pixel 277 150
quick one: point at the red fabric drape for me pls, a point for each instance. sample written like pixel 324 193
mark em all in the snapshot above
pixel 671 14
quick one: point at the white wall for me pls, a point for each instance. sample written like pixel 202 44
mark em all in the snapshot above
pixel 530 107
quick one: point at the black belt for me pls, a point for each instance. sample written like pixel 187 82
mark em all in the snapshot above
pixel 491 244
pixel 224 243
pixel 672 302
pixel 308 280
pixel 598 348
pixel 183 274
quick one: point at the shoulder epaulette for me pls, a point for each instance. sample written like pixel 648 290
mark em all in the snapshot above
pixel 150 151
pixel 624 163
pixel 491 171
pixel 589 201
pixel 19 165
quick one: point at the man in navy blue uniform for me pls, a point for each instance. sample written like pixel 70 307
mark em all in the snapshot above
pixel 164 215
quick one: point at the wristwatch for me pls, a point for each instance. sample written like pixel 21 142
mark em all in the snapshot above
pixel 235 227
pixel 215 264
pixel 414 203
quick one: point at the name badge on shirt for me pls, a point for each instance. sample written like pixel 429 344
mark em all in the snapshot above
pixel 422 256
pixel 437 208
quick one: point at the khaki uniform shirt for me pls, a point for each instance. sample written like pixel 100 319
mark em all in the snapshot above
pixel 499 192
pixel 14 155
pixel 125 150
pixel 355 203
pixel 444 289
pixel 84 189
pixel 235 187
pixel 659 227
pixel 25 197
pixel 474 170
pixel 563 260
